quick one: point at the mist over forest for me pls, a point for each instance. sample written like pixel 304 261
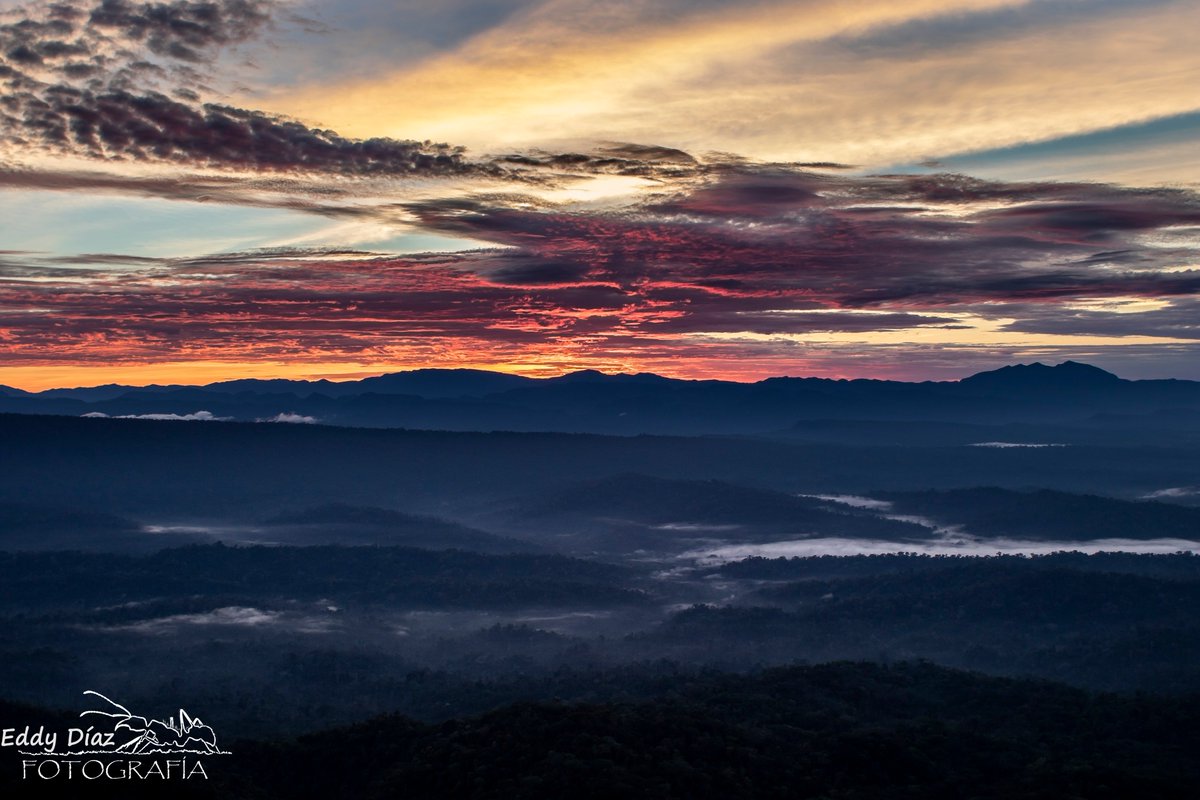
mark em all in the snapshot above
pixel 599 399
pixel 762 609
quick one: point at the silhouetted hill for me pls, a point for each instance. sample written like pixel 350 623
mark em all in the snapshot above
pixel 1018 593
pixel 740 511
pixel 280 386
pixel 25 526
pixel 1063 618
pixel 1070 394
pixel 338 523
pixel 1166 427
pixel 24 518
pixel 435 383
pixel 1057 516
pixel 160 471
pixel 397 577
pixel 848 730
pixel 427 383
pixel 107 391
pixel 1018 379
pixel 595 376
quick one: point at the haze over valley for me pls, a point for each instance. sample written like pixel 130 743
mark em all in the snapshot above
pixel 530 399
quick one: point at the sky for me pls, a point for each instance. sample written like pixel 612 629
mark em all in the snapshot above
pixel 202 190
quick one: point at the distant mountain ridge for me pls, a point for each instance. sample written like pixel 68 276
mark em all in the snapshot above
pixel 658 501
pixel 593 402
pixel 340 523
pixel 1046 514
pixel 434 382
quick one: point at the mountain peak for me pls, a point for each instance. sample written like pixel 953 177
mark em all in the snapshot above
pixel 1067 375
pixel 441 383
pixel 595 375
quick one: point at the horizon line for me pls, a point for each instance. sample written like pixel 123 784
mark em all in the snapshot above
pixel 354 377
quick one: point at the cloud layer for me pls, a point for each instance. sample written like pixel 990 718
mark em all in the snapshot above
pixel 612 255
pixel 773 265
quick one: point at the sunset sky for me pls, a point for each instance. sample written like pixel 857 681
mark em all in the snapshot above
pixel 196 191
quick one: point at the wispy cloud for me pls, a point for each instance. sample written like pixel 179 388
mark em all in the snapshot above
pixel 864 83
pixel 293 418
pixel 966 546
pixel 198 416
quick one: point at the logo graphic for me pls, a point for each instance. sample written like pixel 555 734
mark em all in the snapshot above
pixel 122 737
pixel 188 735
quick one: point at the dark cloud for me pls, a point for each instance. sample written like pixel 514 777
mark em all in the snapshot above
pixel 182 30
pixel 846 242
pixel 43 42
pixel 727 254
pixel 823 165
pixel 745 196
pixel 295 193
pixel 104 259
pixel 1177 319
pixel 643 161
pixel 643 152
pixel 155 127
pixel 532 271
pixel 1097 220
pixel 716 319
pixel 120 80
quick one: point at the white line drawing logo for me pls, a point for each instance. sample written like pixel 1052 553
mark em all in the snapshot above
pixel 132 734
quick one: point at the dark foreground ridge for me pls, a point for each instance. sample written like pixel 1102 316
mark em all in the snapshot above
pixel 845 730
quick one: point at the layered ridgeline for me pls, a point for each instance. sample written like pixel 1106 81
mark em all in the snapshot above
pixel 125 484
pixel 1020 404
pixel 570 609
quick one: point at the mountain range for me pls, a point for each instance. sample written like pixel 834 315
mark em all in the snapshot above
pixel 1070 393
